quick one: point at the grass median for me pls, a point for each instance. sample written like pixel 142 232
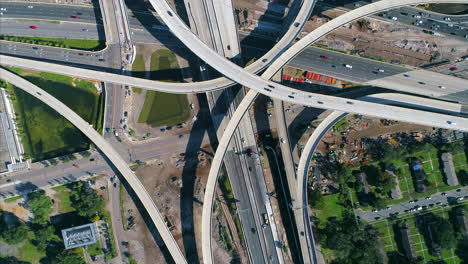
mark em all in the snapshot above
pixel 163 108
pixel 79 44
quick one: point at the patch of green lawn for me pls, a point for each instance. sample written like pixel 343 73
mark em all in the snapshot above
pixel 44 133
pixel 65 204
pixel 331 207
pixel 95 249
pixel 12 199
pixel 164 108
pixel 28 252
pixel 138 70
pixel 81 44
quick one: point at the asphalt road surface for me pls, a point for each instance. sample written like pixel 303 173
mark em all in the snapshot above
pixel 27 181
pixel 435 200
pixel 52 30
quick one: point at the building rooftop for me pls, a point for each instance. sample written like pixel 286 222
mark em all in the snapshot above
pixel 79 236
pixel 449 169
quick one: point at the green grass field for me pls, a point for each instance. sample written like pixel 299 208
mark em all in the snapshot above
pixel 28 252
pixel 387 235
pixel 138 70
pixel 65 204
pixel 44 133
pixel 331 207
pixel 95 249
pixel 81 44
pixel 12 199
pixel 163 108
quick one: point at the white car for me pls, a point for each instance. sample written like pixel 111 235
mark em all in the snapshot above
pixel 282 140
pixel 348 66
pixel 2 9
pixel 381 70
pixel 30 6
pixel 395 18
pixel 441 87
pixel 451 123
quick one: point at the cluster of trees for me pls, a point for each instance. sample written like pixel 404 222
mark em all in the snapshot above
pixel 353 242
pixel 41 206
pixel 85 200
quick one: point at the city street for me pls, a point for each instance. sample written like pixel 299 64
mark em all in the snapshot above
pixel 436 200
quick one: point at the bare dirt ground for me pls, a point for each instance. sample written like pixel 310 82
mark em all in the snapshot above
pixel 163 181
pixel 16 209
pixel 389 41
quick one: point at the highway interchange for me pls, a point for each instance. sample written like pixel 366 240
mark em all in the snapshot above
pixel 290 100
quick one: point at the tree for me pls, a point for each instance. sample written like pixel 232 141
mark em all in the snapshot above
pixel 386 182
pixel 12 260
pixel 85 200
pixel 315 198
pixel 41 206
pixel 352 242
pixel 43 236
pixel 463 177
pixel 444 234
pixel 15 234
pixel 64 257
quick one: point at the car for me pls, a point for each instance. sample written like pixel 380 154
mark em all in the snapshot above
pixel 290 96
pixel 458 190
pixel 451 123
pixel 416 16
pixel 297 24
pixel 168 128
pixel 282 140
pixel 407 75
pixel 381 70
pixel 375 210
pixel 428 198
pixel 423 83
pixel 377 217
pixel 441 87
pixel 2 9
pixel 162 129
pixel 91 159
pixel 85 29
pixel 32 27
pixel 453 68
pixel 395 18
pixel 388 208
pixel 444 193
pixel 8 180
pixel 38 93
pixel 115 185
pixel 335 67
pixel 30 6
pixel 74 17
pixel 348 66
pixel 181 136
pixel 324 57
pixel 447 18
pixel 125 113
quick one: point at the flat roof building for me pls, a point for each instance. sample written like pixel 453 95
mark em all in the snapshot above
pixel 79 236
pixel 449 169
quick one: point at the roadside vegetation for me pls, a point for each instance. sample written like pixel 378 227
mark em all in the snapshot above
pixel 79 44
pixel 163 108
pixel 43 132
pixel 40 240
pixel 436 234
pixel 138 70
